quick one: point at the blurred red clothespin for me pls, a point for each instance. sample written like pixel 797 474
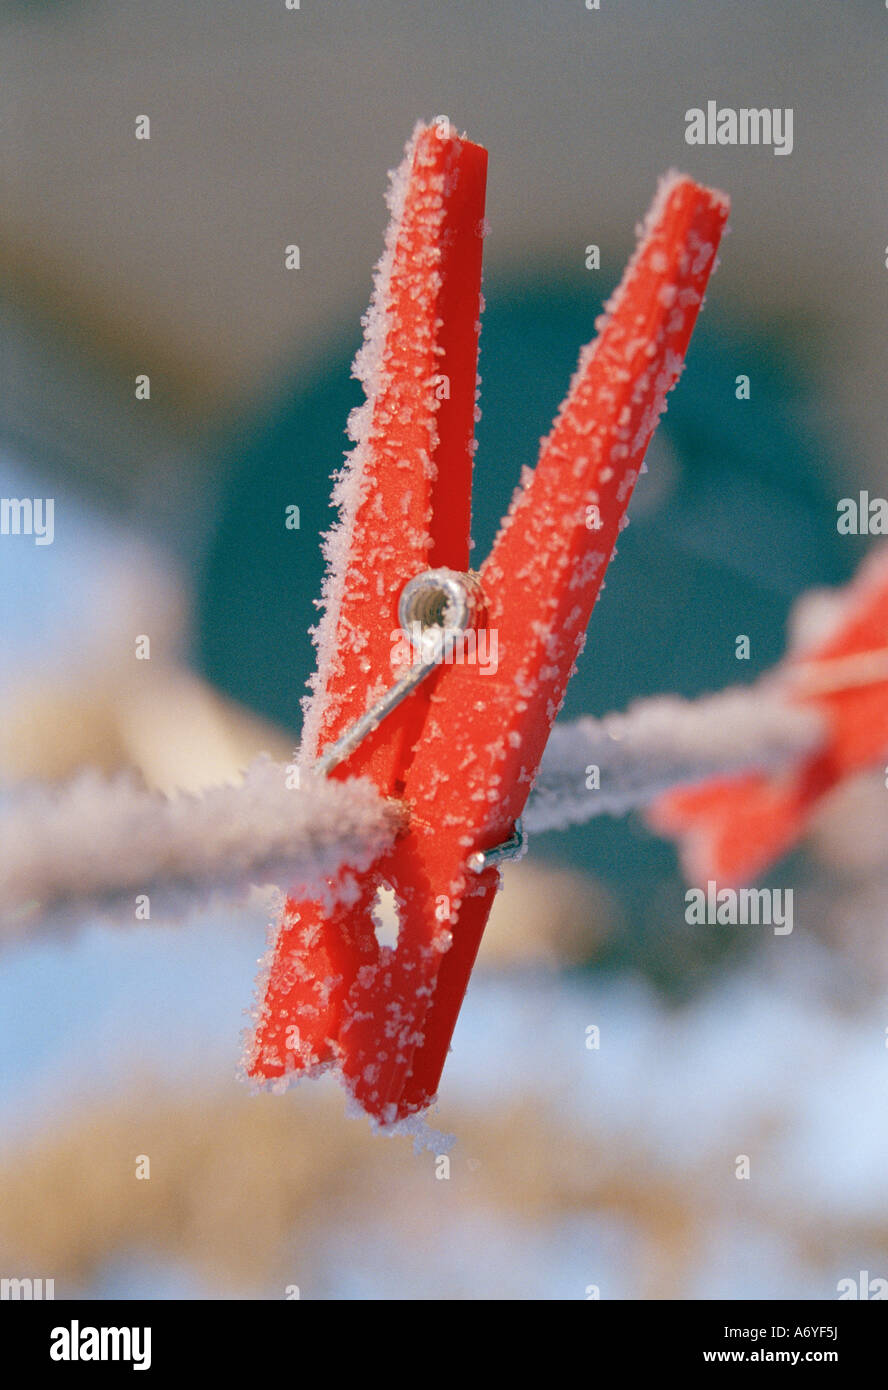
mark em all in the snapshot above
pixel 732 828
pixel 440 684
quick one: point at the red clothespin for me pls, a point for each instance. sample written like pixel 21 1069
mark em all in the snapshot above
pixel 732 828
pixel 458 742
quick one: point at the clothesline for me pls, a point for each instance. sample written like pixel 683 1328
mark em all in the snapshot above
pixel 104 843
pixel 662 743
pixel 96 843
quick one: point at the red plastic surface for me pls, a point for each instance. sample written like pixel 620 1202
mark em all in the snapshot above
pixel 412 512
pixel 733 828
pixel 463 752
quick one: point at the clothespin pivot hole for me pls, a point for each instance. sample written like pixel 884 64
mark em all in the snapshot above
pixel 436 608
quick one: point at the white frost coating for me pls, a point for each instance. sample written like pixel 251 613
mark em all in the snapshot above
pixel 663 743
pixel 415 1127
pixel 349 485
pixel 96 842
pixel 665 188
pixel 818 615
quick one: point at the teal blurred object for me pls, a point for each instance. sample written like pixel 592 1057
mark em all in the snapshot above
pixel 734 519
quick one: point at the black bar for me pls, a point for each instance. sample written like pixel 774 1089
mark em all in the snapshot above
pixel 256 1337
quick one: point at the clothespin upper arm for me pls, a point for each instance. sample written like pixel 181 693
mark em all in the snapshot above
pixel 405 492
pixel 546 568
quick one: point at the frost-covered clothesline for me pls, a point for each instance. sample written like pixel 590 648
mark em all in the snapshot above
pixel 623 761
pixel 98 842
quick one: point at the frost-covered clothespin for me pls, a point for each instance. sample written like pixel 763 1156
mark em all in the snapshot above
pixel 732 828
pixel 400 694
